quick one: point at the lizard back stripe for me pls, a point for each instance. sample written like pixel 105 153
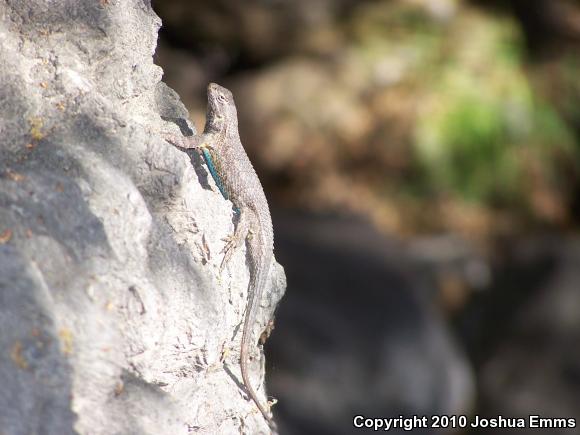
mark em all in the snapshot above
pixel 214 173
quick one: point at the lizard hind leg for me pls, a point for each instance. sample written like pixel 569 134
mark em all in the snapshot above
pixel 234 241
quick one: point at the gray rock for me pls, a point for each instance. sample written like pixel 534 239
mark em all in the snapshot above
pixel 113 318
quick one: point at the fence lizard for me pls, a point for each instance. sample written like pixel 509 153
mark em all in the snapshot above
pixel 237 180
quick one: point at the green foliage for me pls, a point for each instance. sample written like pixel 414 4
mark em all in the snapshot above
pixel 482 126
pixel 471 153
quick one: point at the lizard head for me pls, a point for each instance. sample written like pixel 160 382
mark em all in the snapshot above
pixel 221 108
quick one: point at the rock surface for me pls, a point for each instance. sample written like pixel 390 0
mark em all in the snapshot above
pixel 113 317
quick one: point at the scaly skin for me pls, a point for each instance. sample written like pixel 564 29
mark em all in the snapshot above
pixel 237 180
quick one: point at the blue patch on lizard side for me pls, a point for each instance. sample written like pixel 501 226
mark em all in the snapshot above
pixel 213 172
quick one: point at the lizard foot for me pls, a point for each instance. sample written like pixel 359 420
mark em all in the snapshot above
pixel 232 244
pixel 234 241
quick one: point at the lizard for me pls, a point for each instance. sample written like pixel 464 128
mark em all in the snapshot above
pixel 237 181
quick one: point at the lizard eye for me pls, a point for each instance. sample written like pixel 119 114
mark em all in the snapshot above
pixel 222 98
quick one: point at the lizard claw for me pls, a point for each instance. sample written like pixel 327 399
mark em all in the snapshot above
pixel 226 239
pixel 228 251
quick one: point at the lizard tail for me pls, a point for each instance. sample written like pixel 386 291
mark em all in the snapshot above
pixel 255 289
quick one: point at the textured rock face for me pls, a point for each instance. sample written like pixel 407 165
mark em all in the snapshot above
pixel 112 316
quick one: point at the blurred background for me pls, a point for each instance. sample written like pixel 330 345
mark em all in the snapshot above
pixel 422 162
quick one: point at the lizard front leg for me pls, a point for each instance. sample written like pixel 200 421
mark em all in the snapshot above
pixel 188 142
pixel 202 143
